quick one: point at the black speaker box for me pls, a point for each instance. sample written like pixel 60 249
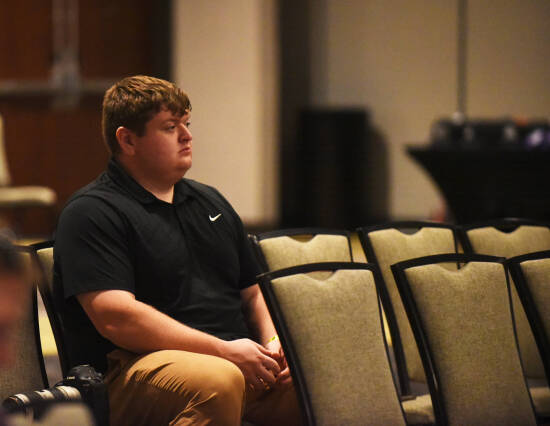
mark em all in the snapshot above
pixel 330 176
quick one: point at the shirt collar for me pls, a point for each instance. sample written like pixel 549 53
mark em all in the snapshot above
pixel 121 177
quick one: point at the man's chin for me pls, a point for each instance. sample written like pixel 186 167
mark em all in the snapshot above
pixel 185 169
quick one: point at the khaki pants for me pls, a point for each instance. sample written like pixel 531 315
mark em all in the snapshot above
pixel 185 388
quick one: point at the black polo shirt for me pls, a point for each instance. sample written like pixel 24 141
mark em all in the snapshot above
pixel 189 259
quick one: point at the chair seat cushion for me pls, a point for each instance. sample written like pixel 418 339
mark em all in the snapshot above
pixel 19 196
pixel 419 411
pixel 541 400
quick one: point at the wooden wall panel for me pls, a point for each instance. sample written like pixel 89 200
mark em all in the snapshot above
pixel 25 39
pixel 61 149
pixel 58 148
pixel 50 141
pixel 116 37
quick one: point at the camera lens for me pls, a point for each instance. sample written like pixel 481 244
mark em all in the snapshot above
pixel 69 392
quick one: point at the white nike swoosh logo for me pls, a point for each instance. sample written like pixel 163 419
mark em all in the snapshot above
pixel 213 219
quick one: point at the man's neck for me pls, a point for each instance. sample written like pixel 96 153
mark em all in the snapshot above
pixel 161 193
pixel 162 190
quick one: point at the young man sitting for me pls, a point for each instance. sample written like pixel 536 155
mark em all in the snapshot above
pixel 159 279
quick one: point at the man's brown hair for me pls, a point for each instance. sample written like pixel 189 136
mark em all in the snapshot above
pixel 133 101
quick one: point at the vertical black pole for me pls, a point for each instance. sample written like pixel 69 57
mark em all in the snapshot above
pixel 161 54
pixel 295 75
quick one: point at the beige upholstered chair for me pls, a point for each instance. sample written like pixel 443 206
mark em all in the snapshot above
pixel 357 249
pixel 20 196
pixel 43 255
pixel 62 414
pixel 291 247
pixel 509 238
pixel 462 321
pixel 391 243
pixel 531 274
pixel 332 335
pixel 388 244
pixel 27 373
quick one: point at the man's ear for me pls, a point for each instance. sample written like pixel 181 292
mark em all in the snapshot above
pixel 125 138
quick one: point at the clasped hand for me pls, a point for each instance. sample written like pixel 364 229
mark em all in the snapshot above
pixel 283 378
pixel 262 367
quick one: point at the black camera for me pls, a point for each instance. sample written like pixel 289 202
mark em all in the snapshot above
pixel 82 383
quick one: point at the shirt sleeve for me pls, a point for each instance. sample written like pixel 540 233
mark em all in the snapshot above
pixel 92 250
pixel 248 262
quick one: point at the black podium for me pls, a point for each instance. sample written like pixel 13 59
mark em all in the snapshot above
pixel 491 183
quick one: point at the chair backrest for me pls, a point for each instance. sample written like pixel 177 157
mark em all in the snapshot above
pixel 388 244
pixel 509 238
pixel 4 170
pixel 531 274
pixel 357 251
pixel 28 372
pixel 506 237
pixel 291 247
pixel 332 335
pixel 463 323
pixel 43 253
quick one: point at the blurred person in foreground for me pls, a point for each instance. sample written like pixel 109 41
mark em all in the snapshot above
pixel 15 301
pixel 158 279
pixel 14 298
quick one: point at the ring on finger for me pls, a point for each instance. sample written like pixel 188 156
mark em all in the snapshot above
pixel 265 385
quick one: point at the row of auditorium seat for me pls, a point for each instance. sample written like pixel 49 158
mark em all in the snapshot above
pixel 419 324
pixel 360 344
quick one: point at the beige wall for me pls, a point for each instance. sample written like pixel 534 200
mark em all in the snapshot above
pixel 397 58
pixel 225 58
pixel 509 58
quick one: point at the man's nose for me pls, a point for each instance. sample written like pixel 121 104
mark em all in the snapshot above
pixel 185 132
